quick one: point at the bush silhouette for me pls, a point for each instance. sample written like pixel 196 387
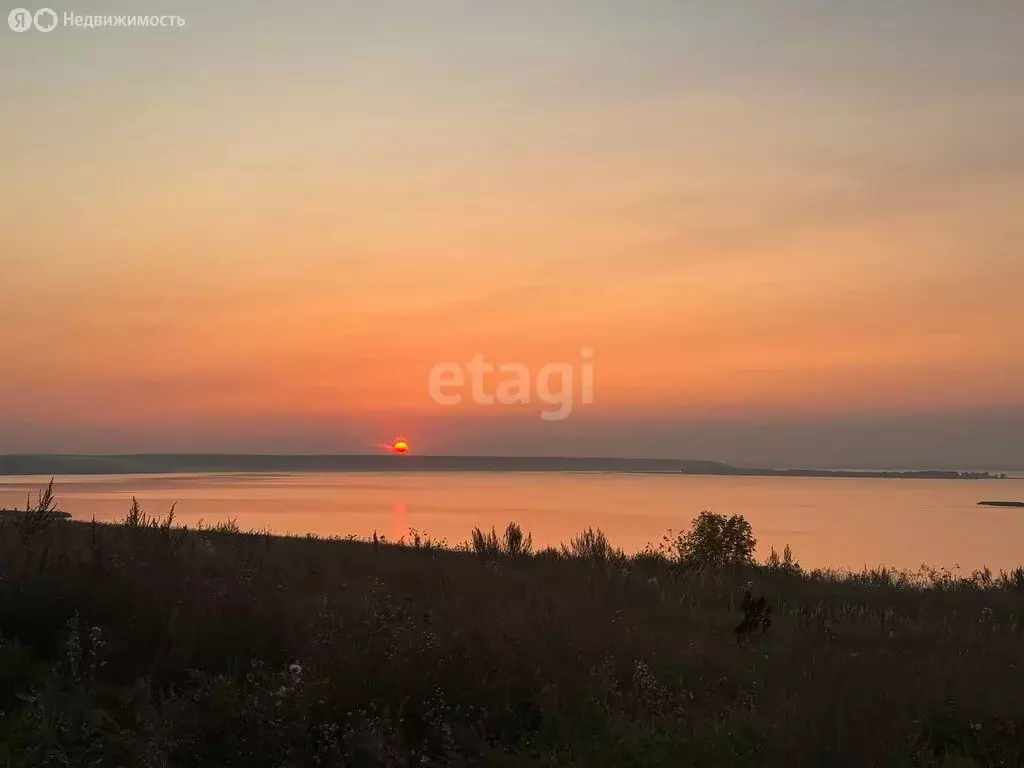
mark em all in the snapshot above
pixel 514 543
pixel 485 544
pixel 592 545
pixel 714 542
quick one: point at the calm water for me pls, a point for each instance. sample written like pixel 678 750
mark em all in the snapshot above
pixel 829 522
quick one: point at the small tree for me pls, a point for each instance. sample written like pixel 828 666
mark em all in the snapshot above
pixel 784 563
pixel 715 541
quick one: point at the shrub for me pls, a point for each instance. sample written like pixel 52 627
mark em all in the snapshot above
pixel 715 541
pixel 592 545
pixel 513 543
pixel 1014 580
pixel 137 518
pixel 486 545
pixel 516 544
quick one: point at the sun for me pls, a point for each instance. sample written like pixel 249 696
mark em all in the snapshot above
pixel 401 445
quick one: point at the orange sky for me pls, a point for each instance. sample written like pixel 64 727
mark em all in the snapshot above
pixel 796 216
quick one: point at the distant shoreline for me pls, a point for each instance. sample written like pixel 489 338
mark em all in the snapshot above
pixel 155 464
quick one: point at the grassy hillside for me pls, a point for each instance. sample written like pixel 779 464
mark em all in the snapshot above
pixel 146 644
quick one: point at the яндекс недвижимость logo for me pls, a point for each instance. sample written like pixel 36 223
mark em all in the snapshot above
pixel 22 19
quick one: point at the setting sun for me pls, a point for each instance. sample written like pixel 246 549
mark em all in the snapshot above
pixel 400 446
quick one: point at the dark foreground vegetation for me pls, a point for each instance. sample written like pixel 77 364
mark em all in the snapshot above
pixel 146 644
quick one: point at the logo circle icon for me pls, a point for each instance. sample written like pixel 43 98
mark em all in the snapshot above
pixel 20 20
pixel 45 19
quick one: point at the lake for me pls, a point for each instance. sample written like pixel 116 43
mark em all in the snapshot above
pixel 836 522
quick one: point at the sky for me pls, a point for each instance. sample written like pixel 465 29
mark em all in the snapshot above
pixel 790 232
